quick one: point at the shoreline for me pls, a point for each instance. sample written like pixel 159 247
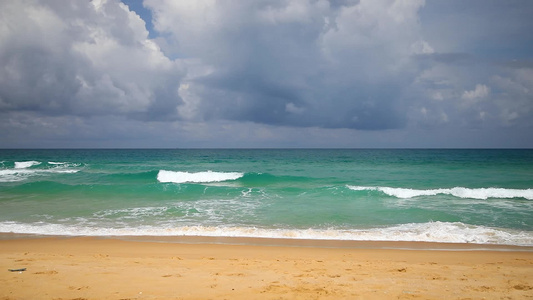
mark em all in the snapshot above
pixel 111 268
pixel 290 242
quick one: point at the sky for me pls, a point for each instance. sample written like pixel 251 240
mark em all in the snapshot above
pixel 266 74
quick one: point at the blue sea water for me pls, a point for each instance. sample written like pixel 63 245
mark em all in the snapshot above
pixel 460 196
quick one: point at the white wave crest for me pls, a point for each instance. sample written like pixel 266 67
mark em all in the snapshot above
pixel 199 177
pixel 438 232
pixel 26 164
pixel 460 192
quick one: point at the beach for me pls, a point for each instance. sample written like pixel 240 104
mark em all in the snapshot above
pixel 266 224
pixel 113 268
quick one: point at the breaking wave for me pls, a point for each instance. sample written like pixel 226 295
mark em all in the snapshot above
pixel 26 164
pixel 198 177
pixel 460 192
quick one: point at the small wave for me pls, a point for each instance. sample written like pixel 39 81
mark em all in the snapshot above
pixel 199 177
pixel 61 171
pixel 20 174
pixel 460 192
pixel 439 232
pixel 26 164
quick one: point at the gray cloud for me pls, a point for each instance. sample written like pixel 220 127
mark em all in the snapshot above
pixel 337 65
pixel 264 73
pixel 83 58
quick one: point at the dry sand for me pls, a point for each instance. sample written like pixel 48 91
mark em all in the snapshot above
pixel 92 268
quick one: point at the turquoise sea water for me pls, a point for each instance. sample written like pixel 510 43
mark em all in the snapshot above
pixel 466 196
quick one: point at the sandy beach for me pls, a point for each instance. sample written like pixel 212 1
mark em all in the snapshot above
pixel 94 268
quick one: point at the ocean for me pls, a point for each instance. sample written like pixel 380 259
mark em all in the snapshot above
pixel 452 196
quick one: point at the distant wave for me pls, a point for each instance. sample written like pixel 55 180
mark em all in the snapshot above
pixel 460 192
pixel 198 177
pixel 26 164
pixel 440 232
pixel 22 170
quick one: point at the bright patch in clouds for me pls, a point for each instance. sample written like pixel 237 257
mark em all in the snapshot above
pixel 481 91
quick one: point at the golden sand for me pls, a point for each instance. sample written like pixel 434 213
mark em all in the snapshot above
pixel 92 268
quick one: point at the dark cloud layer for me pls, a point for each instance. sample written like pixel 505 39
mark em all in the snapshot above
pixel 266 73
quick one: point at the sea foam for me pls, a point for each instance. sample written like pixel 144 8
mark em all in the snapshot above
pixel 12 175
pixel 438 232
pixel 199 177
pixel 460 192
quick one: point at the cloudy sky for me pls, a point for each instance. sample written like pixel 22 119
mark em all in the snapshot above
pixel 266 73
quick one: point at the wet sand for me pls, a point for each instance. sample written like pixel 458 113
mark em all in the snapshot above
pixel 111 268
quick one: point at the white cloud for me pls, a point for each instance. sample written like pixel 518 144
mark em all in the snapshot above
pixel 292 108
pixel 422 47
pixel 481 91
pixel 437 96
